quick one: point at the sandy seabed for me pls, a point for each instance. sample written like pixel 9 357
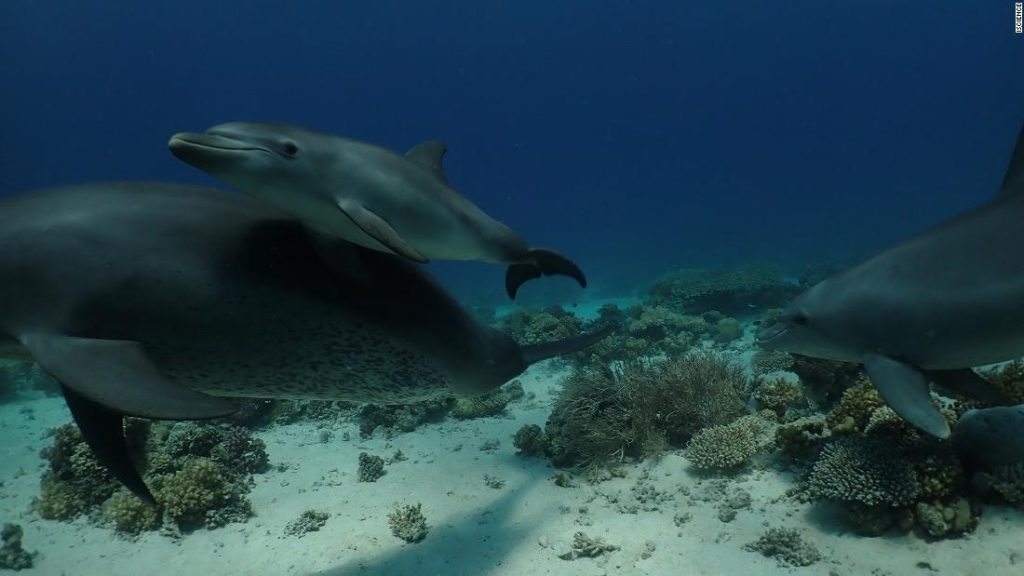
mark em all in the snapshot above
pixel 520 528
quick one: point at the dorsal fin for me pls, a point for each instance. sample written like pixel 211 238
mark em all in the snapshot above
pixel 1013 181
pixel 429 154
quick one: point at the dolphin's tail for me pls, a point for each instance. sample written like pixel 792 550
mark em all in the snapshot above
pixel 537 352
pixel 540 262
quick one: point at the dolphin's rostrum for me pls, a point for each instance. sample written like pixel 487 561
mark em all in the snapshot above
pixel 162 300
pixel 401 204
pixel 926 310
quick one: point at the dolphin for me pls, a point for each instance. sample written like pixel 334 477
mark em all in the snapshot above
pixel 164 301
pixel 988 438
pixel 401 204
pixel 926 310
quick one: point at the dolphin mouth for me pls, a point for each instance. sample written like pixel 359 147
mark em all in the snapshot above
pixel 192 140
pixel 772 332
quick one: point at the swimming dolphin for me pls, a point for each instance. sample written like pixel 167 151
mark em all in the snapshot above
pixel 926 310
pixel 161 300
pixel 402 204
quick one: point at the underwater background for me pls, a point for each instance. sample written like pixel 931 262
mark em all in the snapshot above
pixel 635 136
pixel 755 145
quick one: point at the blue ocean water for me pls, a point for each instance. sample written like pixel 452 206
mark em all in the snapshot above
pixel 634 136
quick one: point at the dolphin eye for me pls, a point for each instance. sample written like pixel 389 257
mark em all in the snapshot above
pixel 290 149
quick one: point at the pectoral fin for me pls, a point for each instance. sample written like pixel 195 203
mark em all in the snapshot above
pixel 103 430
pixel 377 228
pixel 104 380
pixel 117 374
pixel 904 387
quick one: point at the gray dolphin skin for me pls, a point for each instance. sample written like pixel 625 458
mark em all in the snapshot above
pixel 926 310
pixel 162 300
pixel 402 204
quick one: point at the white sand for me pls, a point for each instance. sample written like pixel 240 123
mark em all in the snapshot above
pixel 519 529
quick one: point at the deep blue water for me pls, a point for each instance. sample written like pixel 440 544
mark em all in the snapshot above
pixel 634 136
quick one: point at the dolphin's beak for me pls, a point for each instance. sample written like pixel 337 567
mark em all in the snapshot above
pixel 771 332
pixel 210 152
pixel 188 140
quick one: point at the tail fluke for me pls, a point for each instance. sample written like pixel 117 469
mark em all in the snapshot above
pixel 537 352
pixel 540 262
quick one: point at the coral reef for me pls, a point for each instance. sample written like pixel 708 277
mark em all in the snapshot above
pixel 800 440
pixel 732 290
pixel 603 415
pixel 787 546
pixel 865 470
pixel 12 555
pixel 767 361
pixel 530 440
pixel 402 417
pixel 199 474
pixel 855 408
pixel 727 330
pixel 730 445
pixel 777 394
pixel 939 520
pixel 1006 482
pixel 370 467
pixel 584 546
pixel 531 326
pixel 193 496
pixel 489 404
pixel 75 481
pixel 825 381
pixel 1008 379
pixel 309 521
pixel 129 514
pixel 408 523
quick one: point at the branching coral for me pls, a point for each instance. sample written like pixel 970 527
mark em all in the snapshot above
pixel 529 326
pixel 199 474
pixel 730 445
pixel 309 521
pixel 189 494
pixel 408 523
pixel 129 514
pixel 865 470
pixel 855 408
pixel 777 394
pixel 75 481
pixel 787 546
pixel 766 361
pixel 603 415
pixel 371 468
